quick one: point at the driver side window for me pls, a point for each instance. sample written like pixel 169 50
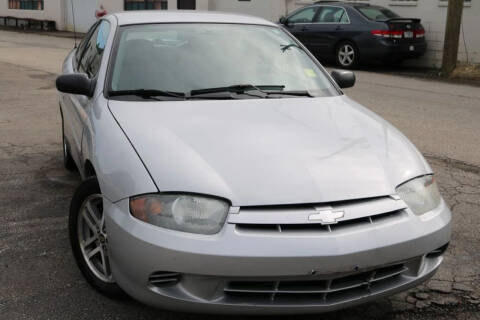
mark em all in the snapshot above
pixel 83 44
pixel 304 16
pixel 93 52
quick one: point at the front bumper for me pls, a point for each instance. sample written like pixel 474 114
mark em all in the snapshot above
pixel 260 273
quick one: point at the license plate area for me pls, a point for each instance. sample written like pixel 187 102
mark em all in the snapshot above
pixel 408 34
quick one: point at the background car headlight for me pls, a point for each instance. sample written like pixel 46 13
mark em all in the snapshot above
pixel 187 213
pixel 420 194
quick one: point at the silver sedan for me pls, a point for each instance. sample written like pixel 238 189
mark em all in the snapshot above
pixel 225 171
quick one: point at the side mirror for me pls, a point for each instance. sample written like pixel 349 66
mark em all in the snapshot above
pixel 344 78
pixel 76 83
pixel 283 20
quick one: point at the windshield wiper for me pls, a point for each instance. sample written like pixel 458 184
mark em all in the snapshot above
pixel 148 93
pixel 299 93
pixel 285 47
pixel 239 89
pixel 246 89
pixel 264 90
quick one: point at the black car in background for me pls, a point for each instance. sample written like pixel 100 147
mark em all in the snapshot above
pixel 356 32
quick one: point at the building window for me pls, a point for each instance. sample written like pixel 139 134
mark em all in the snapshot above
pixel 25 4
pixel 146 4
pixel 186 4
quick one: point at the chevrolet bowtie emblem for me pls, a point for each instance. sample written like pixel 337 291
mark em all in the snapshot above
pixel 328 216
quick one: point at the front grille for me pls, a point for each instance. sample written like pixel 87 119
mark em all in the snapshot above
pixel 163 278
pixel 325 291
pixel 319 228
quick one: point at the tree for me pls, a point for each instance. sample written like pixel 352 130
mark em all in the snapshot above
pixel 452 36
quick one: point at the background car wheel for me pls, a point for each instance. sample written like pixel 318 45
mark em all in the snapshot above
pixel 347 55
pixel 68 162
pixel 89 238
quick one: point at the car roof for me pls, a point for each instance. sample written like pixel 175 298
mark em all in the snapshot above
pixel 186 16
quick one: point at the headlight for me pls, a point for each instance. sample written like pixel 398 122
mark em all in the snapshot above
pixel 420 194
pixel 187 213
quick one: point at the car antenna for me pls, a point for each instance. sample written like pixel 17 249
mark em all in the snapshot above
pixel 74 28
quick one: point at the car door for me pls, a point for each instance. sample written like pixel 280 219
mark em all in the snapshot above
pixel 329 26
pixel 299 24
pixel 67 105
pixel 89 59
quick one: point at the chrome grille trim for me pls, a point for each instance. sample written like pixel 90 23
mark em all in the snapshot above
pixel 319 228
pixel 365 211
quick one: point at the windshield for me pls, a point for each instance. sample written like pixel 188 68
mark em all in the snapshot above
pixel 182 58
pixel 377 13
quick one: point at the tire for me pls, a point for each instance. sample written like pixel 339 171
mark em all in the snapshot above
pixel 347 55
pixel 68 161
pixel 86 222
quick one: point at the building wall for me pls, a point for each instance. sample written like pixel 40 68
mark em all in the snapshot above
pixel 84 14
pixel 85 11
pixel 268 9
pixel 53 11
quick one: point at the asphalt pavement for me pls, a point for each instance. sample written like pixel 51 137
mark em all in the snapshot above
pixel 39 278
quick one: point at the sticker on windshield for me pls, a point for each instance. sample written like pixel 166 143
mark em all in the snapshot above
pixel 310 73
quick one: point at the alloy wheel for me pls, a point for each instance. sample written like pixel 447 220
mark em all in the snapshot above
pixel 92 237
pixel 346 55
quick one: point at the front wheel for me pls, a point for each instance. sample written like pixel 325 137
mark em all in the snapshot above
pixel 89 238
pixel 347 55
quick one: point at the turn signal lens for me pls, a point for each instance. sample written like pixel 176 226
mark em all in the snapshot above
pixel 142 207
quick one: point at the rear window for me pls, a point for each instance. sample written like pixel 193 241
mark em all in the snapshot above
pixel 377 13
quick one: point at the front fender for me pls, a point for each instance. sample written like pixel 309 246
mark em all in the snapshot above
pixel 119 169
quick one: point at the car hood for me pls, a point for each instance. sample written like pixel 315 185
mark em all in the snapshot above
pixel 269 151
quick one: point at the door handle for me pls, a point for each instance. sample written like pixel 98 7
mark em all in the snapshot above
pixel 338 28
pixel 304 29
